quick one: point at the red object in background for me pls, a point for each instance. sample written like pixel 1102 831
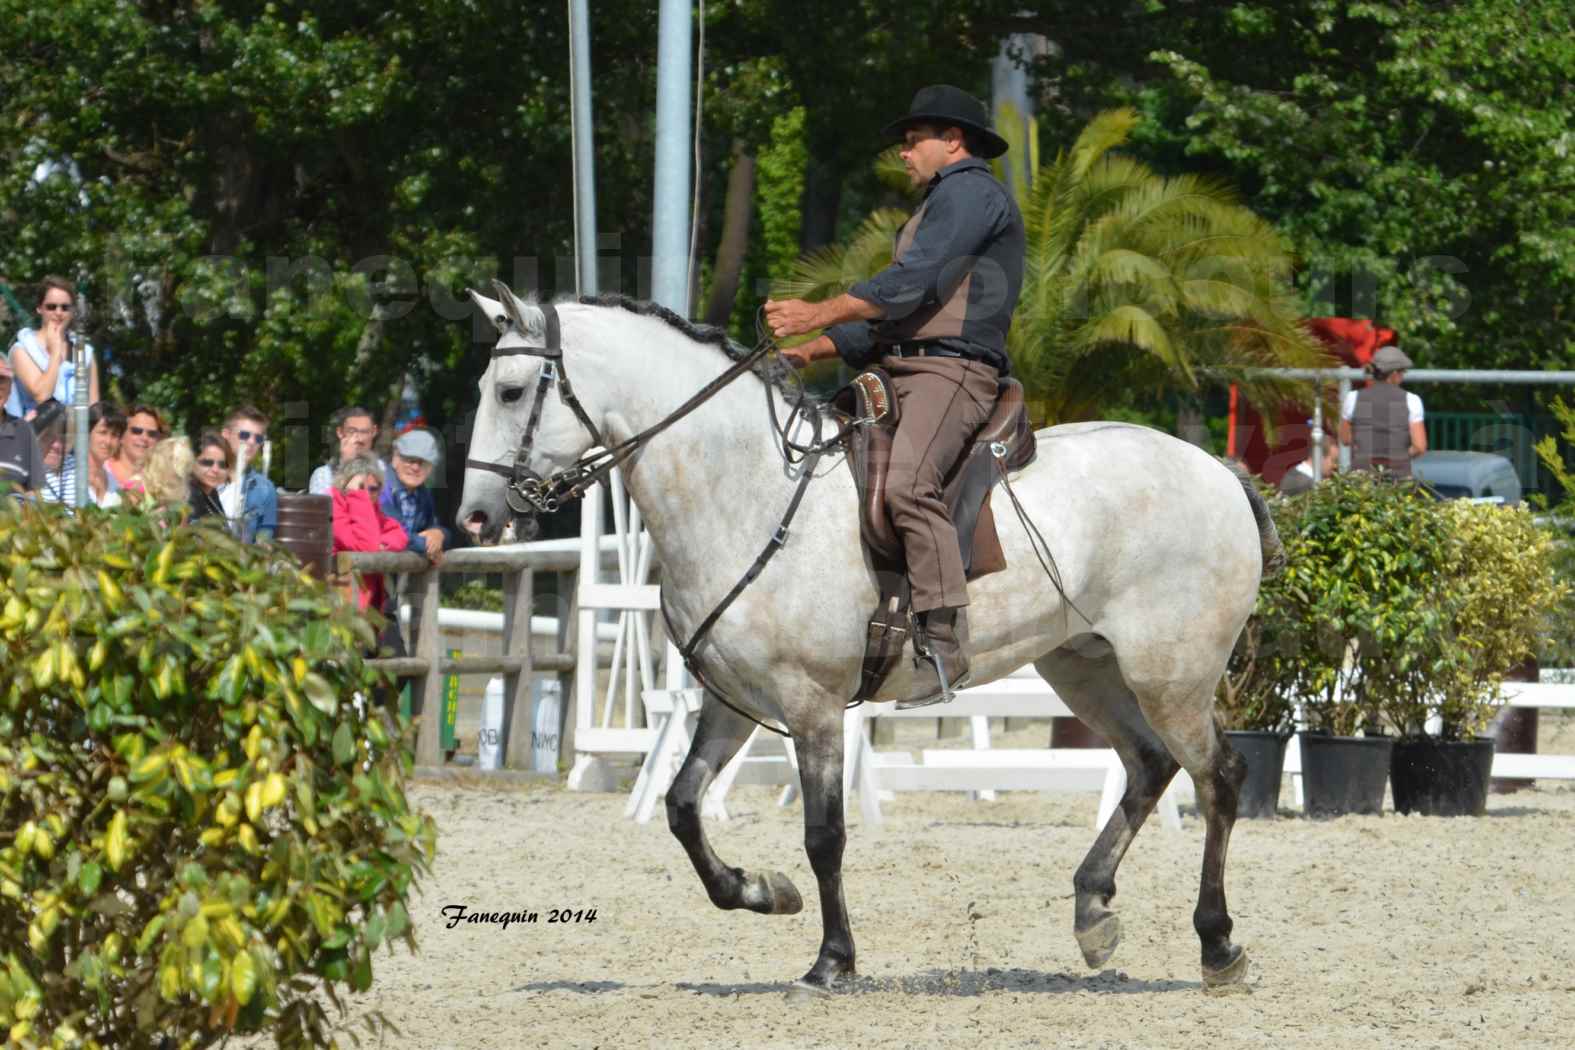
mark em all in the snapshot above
pixel 1353 341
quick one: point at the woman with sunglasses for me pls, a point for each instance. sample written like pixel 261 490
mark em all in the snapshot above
pixel 210 470
pixel 44 358
pixel 144 427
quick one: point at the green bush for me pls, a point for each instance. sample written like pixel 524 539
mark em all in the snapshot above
pixel 1503 590
pixel 1357 604
pixel 200 833
pixel 1392 608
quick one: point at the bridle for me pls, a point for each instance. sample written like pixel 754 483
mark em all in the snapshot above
pixel 529 492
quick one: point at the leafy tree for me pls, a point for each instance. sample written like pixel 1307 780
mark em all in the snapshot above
pixel 1417 155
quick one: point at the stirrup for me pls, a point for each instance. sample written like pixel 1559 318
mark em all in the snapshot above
pixel 947 694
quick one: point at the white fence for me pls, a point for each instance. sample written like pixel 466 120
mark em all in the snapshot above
pixel 982 769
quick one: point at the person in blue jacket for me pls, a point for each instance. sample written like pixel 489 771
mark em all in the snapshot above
pixel 246 430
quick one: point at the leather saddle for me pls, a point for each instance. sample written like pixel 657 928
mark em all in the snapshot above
pixel 1003 443
pixel 871 400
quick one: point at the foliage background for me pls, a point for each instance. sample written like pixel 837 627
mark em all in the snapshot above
pixel 280 201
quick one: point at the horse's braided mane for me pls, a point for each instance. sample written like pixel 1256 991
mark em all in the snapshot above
pixel 775 372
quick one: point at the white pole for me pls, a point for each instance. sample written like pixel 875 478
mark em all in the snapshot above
pixel 670 223
pixel 584 147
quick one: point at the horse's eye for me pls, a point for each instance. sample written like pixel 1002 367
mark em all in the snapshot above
pixel 511 394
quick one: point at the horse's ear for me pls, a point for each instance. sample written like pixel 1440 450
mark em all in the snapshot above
pixel 527 318
pixel 491 309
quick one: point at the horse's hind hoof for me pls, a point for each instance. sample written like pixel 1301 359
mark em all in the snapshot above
pixel 1232 973
pixel 1100 940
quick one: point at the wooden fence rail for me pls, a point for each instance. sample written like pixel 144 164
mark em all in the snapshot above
pixel 427 665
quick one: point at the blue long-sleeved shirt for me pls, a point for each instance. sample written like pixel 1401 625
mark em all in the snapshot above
pixel 955 275
pixel 415 510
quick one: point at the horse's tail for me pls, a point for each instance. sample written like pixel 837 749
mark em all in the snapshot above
pixel 1272 550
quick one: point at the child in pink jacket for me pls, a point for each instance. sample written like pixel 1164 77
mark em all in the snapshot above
pixel 360 525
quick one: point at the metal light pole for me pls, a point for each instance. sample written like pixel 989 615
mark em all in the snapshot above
pixel 584 151
pixel 670 223
pixel 79 417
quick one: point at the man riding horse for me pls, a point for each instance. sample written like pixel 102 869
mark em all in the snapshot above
pixel 935 319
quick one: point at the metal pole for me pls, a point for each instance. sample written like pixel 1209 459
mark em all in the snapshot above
pixel 79 417
pixel 670 223
pixel 584 147
pixel 1345 450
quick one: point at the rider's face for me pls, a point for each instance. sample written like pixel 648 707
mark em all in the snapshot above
pixel 926 150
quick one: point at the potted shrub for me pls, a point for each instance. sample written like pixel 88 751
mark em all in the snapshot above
pixel 1364 561
pixel 1256 710
pixel 1255 700
pixel 1495 595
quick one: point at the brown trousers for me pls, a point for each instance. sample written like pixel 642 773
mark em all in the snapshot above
pixel 944 401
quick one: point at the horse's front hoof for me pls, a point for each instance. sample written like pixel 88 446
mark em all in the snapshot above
pixel 785 899
pixel 772 894
pixel 801 991
pixel 830 969
pixel 1099 941
pixel 1233 972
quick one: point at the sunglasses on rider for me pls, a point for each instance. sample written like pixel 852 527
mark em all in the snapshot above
pixel 151 432
pixel 211 464
pixel 255 437
pixel 53 307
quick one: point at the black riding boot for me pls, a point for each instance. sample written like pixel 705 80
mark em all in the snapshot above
pixel 945 668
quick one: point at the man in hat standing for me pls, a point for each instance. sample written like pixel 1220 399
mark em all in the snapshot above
pixel 936 319
pixel 1382 423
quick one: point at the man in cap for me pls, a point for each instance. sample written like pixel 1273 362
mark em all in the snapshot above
pixel 936 319
pixel 407 499
pixel 1382 423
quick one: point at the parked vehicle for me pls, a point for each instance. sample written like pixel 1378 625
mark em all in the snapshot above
pixel 1468 475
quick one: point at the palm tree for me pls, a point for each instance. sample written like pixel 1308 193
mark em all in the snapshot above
pixel 1132 282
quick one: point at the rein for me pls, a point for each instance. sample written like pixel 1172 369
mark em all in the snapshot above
pixel 528 491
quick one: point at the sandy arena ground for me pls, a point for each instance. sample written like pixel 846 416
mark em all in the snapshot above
pixel 1383 931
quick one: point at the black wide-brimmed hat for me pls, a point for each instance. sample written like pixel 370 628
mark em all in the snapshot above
pixel 947 106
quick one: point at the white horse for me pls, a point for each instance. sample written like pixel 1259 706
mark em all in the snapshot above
pixel 1160 549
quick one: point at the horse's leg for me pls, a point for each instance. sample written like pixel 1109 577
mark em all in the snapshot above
pixel 719 735
pixel 1183 716
pixel 820 774
pixel 1086 676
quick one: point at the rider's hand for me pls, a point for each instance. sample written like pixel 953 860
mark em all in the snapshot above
pixel 797 356
pixel 787 317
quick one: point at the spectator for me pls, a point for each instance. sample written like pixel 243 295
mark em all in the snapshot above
pixel 246 429
pixel 105 427
pixel 355 432
pixel 21 461
pixel 210 470
pixel 167 475
pixel 7 381
pixel 144 427
pixel 49 428
pixel 43 358
pixel 1300 477
pixel 1381 422
pixel 407 499
pixel 359 524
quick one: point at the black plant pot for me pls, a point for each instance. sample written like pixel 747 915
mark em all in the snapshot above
pixel 1442 778
pixel 1265 755
pixel 1344 774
